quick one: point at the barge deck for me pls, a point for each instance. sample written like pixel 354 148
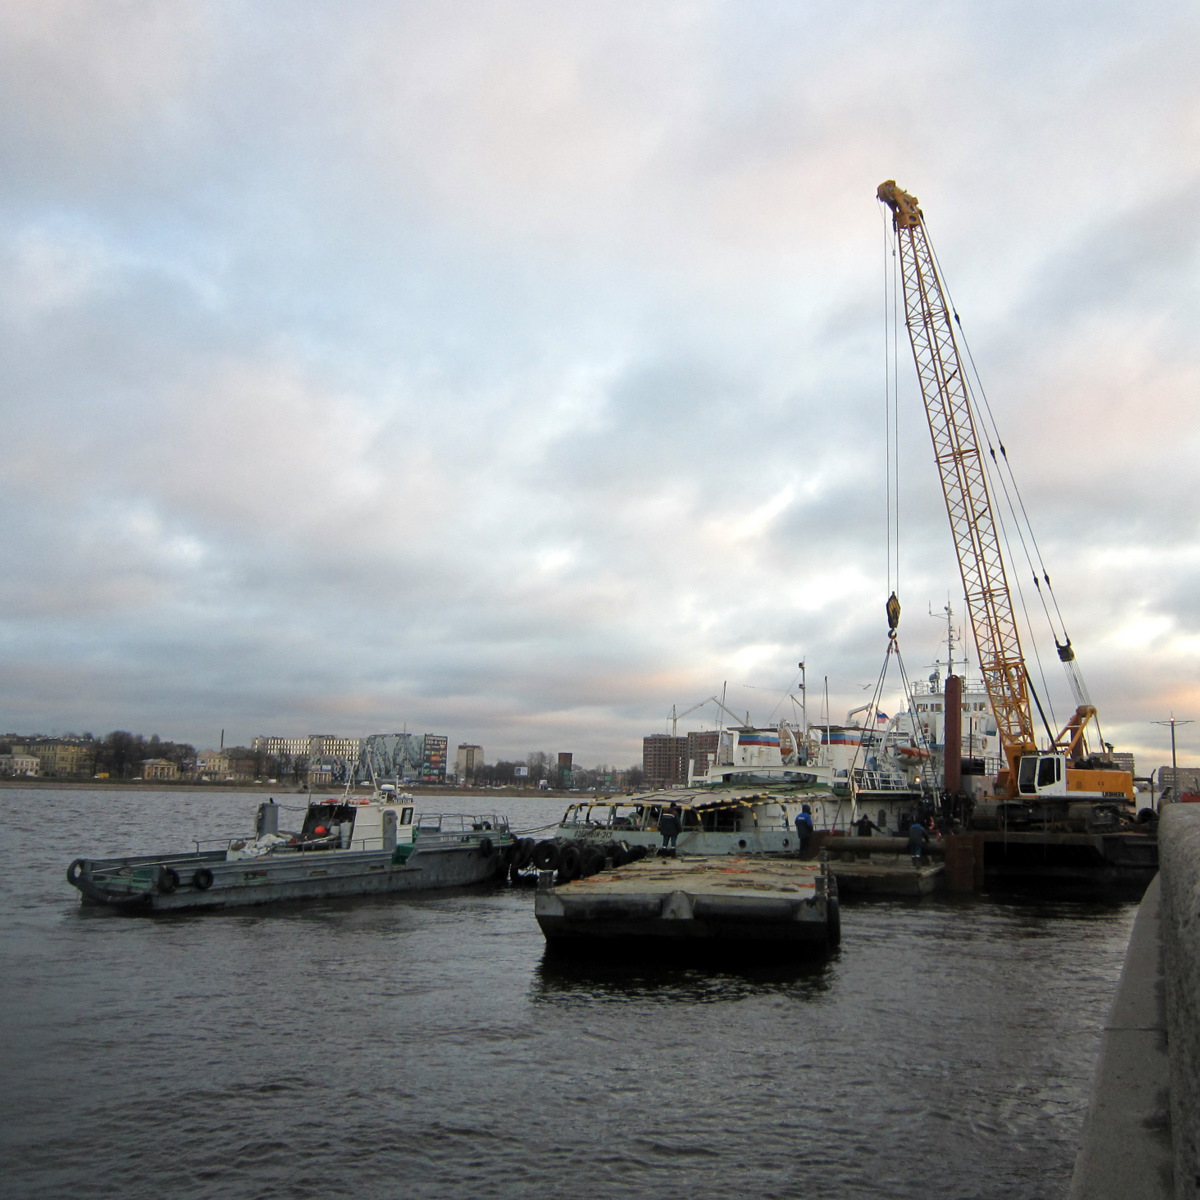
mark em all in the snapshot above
pixel 718 904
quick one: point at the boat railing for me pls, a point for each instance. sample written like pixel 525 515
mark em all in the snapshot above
pixel 457 826
pixel 866 780
pixel 222 844
pixel 601 817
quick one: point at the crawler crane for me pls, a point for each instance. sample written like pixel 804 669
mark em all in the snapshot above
pixel 1050 779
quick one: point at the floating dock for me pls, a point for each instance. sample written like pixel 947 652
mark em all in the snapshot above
pixel 882 866
pixel 887 878
pixel 965 862
pixel 710 904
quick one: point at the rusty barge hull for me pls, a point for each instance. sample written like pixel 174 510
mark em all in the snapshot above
pixel 976 859
pixel 1077 858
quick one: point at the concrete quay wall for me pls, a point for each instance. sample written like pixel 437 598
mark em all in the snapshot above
pixel 1142 1133
pixel 1179 869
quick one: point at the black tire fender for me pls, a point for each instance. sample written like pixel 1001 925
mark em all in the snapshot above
pixel 202 880
pixel 570 865
pixel 546 856
pixel 167 880
pixel 485 847
pixel 74 871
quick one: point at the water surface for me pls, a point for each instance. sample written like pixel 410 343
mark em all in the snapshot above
pixel 429 1046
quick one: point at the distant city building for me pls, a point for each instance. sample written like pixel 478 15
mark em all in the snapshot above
pixel 159 768
pixel 212 764
pixel 20 764
pixel 467 761
pixel 1124 760
pixel 701 750
pixel 407 757
pixel 566 769
pixel 58 756
pixel 329 744
pixel 433 763
pixel 664 759
pixel 315 745
pixel 242 765
pixel 280 747
pixel 1186 779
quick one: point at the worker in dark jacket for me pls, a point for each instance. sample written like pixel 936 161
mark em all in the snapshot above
pixel 917 833
pixel 804 828
pixel 669 825
pixel 864 825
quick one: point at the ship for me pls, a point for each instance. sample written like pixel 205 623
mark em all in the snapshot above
pixel 344 847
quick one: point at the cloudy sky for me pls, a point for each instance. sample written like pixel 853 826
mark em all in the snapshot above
pixel 517 370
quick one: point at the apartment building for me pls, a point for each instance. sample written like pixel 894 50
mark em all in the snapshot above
pixel 664 759
pixel 313 745
pixel 467 760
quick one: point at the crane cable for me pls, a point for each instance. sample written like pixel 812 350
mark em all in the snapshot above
pixel 873 713
pixel 891 405
pixel 1001 472
pixel 1005 474
pixel 892 307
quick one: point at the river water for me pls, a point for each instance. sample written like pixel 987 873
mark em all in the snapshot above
pixel 428 1046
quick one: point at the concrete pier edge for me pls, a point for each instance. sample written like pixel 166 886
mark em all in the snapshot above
pixel 1141 1137
pixel 1126 1146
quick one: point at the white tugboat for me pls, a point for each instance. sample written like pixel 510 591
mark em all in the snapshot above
pixel 748 800
pixel 345 847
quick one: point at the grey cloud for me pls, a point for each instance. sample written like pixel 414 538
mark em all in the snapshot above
pixel 520 378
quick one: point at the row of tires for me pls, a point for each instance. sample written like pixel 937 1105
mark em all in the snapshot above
pixel 166 879
pixel 571 860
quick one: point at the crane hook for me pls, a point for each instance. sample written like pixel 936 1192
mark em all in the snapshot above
pixel 893 615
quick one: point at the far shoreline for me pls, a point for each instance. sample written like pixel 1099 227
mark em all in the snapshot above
pixel 281 789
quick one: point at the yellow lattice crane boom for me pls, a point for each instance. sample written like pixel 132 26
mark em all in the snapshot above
pixel 961 466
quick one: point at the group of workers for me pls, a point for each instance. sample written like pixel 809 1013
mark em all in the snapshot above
pixel 918 832
pixel 671 822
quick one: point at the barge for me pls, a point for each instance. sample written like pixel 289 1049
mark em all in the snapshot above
pixel 756 907
pixel 344 847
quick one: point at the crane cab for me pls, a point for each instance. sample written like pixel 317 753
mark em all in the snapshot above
pixel 1042 775
pixel 1048 775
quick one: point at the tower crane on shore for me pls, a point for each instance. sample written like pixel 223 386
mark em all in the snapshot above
pixel 1065 772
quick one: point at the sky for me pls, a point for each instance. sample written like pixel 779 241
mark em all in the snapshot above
pixel 519 371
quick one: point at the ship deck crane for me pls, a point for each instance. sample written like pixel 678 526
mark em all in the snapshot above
pixel 1028 772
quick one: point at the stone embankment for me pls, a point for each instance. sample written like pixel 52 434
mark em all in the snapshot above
pixel 1142 1133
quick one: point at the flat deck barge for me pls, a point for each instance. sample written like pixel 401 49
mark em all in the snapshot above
pixel 721 904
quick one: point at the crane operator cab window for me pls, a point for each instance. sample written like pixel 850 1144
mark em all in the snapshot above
pixel 1041 774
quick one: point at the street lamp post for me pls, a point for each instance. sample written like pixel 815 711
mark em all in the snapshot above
pixel 1174 764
